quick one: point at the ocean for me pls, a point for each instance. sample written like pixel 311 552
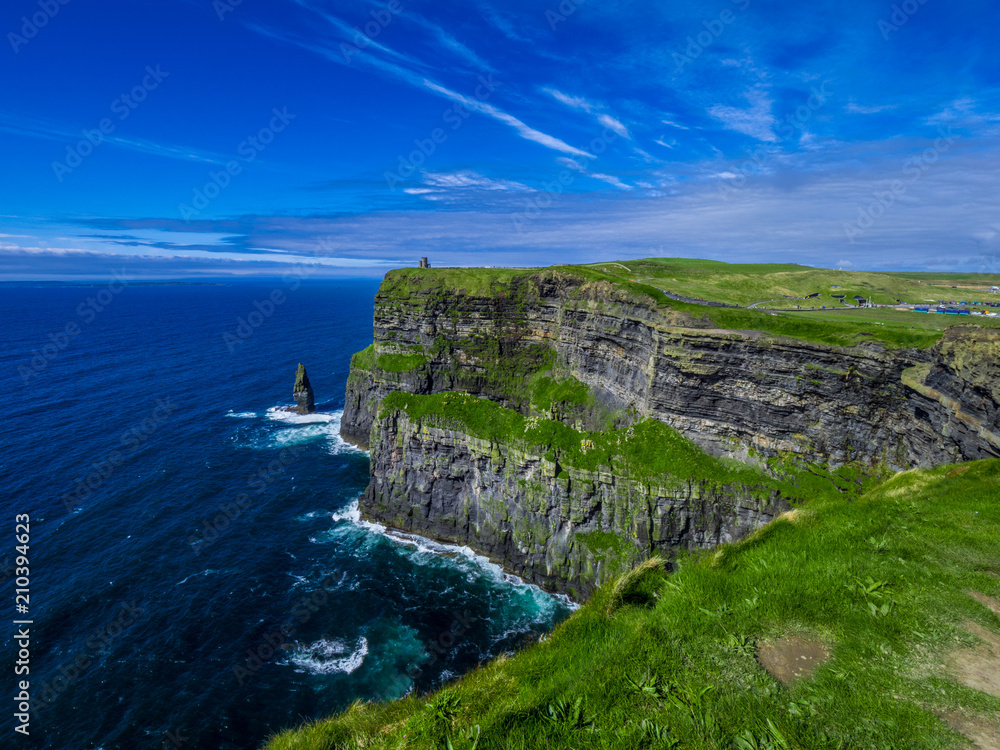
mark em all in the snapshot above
pixel 198 572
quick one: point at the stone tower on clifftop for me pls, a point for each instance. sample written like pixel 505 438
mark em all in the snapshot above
pixel 303 392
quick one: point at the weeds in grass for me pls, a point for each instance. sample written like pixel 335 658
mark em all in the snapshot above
pixel 880 602
pixel 569 715
pixel 770 739
pixel 468 740
pixel 651 686
pixel 878 545
pixel 739 644
pixel 658 735
pixel 444 709
pixel 694 704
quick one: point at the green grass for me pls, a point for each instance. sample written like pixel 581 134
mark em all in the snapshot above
pixel 660 661
pixel 745 284
pixel 396 362
pixel 897 318
pixel 365 359
pixel 829 330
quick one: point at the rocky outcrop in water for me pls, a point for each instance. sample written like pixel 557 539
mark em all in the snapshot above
pixel 303 392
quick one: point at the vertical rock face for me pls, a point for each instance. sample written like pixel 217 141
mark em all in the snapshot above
pixel 563 527
pixel 303 392
pixel 726 390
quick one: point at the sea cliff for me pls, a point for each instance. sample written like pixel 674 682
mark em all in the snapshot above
pixel 590 358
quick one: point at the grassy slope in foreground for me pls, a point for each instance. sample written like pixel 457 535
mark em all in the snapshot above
pixel 883 582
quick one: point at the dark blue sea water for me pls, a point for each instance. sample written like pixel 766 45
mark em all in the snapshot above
pixel 199 574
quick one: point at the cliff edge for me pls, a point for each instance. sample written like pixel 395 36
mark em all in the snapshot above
pixel 588 358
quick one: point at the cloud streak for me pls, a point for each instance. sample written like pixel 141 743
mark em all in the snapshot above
pixel 60 133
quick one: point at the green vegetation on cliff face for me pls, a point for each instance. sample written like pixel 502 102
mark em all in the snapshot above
pixel 647 451
pixel 888 598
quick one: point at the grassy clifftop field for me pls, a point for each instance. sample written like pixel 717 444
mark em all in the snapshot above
pixel 749 283
pixel 865 624
pixel 775 289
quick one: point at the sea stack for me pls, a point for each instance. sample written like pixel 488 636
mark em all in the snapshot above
pixel 303 392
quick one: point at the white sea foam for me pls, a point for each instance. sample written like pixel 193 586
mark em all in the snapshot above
pixel 424 551
pixel 281 414
pixel 241 414
pixel 329 656
pixel 307 428
pixel 206 572
pixel 351 513
pixel 310 515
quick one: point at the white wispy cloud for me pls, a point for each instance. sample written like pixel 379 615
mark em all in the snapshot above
pixel 586 105
pixel 525 131
pixel 862 109
pixel 348 35
pixel 578 167
pixel 451 43
pixel 420 80
pixel 610 179
pixel 576 102
pixel 470 179
pixel 615 125
pixel 501 23
pixel 755 121
pixel 61 133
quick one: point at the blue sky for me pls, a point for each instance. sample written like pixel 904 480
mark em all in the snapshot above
pixel 188 138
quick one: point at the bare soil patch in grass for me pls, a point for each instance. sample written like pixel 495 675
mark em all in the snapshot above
pixel 984 733
pixel 987 601
pixel 978 667
pixel 792 658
